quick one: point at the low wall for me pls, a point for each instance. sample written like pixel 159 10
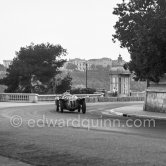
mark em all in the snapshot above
pixel 113 99
pixel 155 100
pixel 90 98
pixel 138 94
pixel 19 97
pixel 52 97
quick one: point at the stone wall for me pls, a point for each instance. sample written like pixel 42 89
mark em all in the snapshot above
pixel 155 100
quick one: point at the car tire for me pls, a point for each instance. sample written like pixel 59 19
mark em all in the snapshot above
pixel 79 109
pixel 61 107
pixel 57 105
pixel 83 107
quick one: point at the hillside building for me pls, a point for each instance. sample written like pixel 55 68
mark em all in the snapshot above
pixel 6 63
pixel 102 62
pixel 81 63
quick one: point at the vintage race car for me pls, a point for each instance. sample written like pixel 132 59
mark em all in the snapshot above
pixel 70 102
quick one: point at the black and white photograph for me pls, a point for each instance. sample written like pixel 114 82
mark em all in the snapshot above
pixel 83 83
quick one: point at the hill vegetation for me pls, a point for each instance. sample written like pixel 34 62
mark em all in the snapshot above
pixel 99 79
pixel 96 79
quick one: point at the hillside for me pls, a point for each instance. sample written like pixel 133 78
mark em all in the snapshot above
pixel 96 79
pixel 100 79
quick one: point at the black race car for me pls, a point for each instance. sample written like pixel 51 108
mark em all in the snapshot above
pixel 70 102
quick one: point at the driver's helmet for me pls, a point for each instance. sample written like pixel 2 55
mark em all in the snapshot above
pixel 66 95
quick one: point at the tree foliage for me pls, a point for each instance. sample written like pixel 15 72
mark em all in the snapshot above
pixel 82 91
pixel 141 29
pixel 2 67
pixel 65 84
pixel 71 66
pixel 33 68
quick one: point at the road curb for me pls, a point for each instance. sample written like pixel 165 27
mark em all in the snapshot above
pixel 114 112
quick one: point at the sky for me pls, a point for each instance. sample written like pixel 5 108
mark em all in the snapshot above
pixel 83 27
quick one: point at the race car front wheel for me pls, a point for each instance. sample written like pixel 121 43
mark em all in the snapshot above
pixel 79 109
pixel 84 107
pixel 61 106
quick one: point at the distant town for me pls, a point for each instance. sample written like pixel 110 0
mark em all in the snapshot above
pixel 100 72
pixel 80 64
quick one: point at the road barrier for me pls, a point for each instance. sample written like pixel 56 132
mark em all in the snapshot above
pixel 113 99
pixel 138 94
pixel 155 100
pixel 19 97
pixel 52 97
pixel 90 98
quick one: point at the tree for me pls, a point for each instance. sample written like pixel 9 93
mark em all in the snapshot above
pixel 141 29
pixel 65 84
pixel 2 67
pixel 71 66
pixel 33 68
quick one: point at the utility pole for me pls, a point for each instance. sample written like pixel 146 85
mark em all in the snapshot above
pixel 86 75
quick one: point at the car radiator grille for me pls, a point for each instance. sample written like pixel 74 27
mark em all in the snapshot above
pixel 72 104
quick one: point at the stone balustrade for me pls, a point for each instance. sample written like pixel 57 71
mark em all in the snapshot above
pixel 113 99
pixel 52 97
pixel 18 97
pixel 90 98
pixel 138 94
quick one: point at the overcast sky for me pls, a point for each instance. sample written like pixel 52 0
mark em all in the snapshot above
pixel 83 27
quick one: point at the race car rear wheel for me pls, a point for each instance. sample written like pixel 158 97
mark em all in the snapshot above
pixel 57 105
pixel 62 109
pixel 79 109
pixel 61 106
pixel 83 107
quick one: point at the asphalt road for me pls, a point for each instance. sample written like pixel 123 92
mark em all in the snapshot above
pixel 38 135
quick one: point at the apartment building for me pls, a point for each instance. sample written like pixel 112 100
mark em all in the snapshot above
pixel 102 62
pixel 6 63
pixel 81 63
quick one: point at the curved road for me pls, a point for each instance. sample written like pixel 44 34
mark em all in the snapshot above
pixel 38 135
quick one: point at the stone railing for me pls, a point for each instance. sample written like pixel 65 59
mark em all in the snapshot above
pixel 18 97
pixel 155 100
pixel 90 98
pixel 138 94
pixel 52 97
pixel 113 99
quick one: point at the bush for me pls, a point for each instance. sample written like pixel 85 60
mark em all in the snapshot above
pixel 83 91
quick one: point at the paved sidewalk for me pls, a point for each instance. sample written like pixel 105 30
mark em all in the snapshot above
pixel 136 111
